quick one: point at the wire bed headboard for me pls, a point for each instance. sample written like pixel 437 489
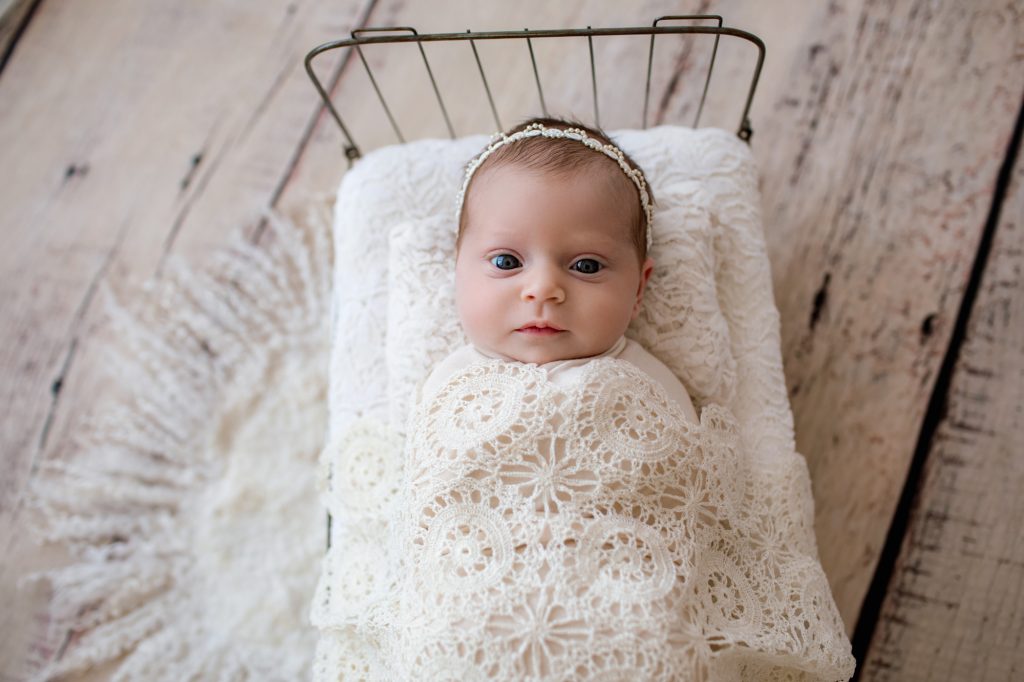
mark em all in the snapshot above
pixel 405 34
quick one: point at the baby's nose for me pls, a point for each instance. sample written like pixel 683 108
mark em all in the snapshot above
pixel 543 284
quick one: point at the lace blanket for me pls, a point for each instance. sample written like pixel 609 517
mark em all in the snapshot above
pixel 590 533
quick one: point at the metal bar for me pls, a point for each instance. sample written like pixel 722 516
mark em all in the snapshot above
pixel 714 52
pixel 382 29
pixel 593 79
pixel 536 75
pixel 487 89
pixel 369 71
pixel 440 102
pixel 647 88
pixel 351 150
pixel 545 33
pixel 744 131
pixel 380 96
pixel 707 82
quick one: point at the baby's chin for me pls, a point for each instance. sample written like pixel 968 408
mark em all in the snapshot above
pixel 543 353
pixel 539 358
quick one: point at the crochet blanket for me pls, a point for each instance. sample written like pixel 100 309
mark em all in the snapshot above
pixel 589 533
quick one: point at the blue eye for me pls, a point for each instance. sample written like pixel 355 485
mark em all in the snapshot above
pixel 587 266
pixel 505 261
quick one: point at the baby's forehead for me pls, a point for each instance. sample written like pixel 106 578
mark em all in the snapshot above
pixel 502 182
pixel 589 165
pixel 609 183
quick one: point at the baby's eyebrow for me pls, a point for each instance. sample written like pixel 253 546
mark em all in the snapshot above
pixel 602 244
pixel 503 236
pixel 598 243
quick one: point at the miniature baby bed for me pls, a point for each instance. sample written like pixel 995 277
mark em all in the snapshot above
pixel 708 315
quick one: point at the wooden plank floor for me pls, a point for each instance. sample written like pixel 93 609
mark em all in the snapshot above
pixel 138 129
pixel 953 608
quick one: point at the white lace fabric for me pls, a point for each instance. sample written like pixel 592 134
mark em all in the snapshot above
pixel 588 533
pixel 592 533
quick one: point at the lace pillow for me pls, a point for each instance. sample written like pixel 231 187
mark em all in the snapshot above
pixel 680 322
pixel 387 189
pixel 423 325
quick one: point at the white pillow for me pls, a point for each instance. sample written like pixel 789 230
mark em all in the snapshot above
pixel 387 189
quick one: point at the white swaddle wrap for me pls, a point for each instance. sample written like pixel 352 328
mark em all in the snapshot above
pixel 563 372
pixel 591 532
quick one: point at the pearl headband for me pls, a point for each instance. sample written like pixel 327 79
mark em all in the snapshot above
pixel 540 130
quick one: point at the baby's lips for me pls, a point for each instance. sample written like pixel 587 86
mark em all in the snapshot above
pixel 540 325
pixel 540 331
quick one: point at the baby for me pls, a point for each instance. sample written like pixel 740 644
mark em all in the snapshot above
pixel 547 463
pixel 563 514
pixel 552 256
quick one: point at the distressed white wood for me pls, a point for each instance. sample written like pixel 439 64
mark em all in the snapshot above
pixel 953 609
pixel 12 14
pixel 879 162
pixel 128 130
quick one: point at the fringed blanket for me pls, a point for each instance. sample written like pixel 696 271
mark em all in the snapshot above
pixel 187 502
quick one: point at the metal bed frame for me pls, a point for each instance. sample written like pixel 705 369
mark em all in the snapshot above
pixel 370 36
pixel 405 34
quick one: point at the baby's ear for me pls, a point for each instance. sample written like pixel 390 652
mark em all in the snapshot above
pixel 645 274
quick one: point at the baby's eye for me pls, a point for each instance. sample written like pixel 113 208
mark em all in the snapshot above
pixel 587 266
pixel 505 261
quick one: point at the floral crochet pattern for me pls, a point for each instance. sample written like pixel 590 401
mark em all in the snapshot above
pixel 541 533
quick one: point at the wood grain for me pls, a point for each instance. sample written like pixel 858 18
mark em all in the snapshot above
pixel 953 609
pixel 879 132
pixel 13 14
pixel 878 159
pixel 136 129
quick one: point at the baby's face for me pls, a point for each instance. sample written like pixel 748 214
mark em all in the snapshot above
pixel 546 268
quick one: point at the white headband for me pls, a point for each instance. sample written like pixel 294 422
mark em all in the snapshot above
pixel 539 129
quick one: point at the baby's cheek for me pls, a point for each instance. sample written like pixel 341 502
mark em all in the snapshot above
pixel 618 312
pixel 473 310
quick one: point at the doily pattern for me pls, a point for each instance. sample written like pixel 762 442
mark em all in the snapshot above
pixel 546 532
pixel 467 548
pixel 623 556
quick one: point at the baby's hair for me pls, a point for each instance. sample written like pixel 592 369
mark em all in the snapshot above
pixel 567 157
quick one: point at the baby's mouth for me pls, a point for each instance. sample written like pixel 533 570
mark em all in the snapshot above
pixel 540 329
